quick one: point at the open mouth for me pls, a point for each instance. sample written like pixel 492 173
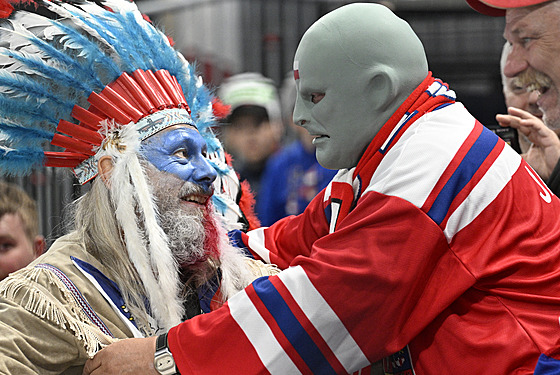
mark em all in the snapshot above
pixel 535 86
pixel 196 198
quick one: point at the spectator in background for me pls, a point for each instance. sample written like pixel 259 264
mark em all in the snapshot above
pixel 532 28
pixel 292 176
pixel 20 242
pixel 254 127
pixel 515 95
pixel 522 105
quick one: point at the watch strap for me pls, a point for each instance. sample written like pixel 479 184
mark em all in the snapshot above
pixel 161 342
pixel 162 346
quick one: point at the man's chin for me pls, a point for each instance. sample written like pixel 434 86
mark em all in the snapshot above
pixel 552 120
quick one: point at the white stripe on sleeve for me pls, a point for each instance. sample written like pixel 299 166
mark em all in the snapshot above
pixel 323 319
pixel 261 337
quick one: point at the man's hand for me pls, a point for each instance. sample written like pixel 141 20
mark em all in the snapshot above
pixel 544 153
pixel 130 356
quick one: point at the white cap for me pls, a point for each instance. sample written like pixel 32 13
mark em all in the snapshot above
pixel 251 89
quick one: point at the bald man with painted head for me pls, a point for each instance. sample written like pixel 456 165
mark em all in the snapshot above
pixel 430 252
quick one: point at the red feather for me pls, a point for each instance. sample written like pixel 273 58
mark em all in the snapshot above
pixel 220 109
pixel 5 9
pixel 247 205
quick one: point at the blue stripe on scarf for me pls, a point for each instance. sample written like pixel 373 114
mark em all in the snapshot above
pixel 109 287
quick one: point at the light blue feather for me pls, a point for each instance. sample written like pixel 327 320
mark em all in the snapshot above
pixel 92 51
pixel 23 136
pixel 20 162
pixel 69 62
pixel 32 89
pixel 219 204
pixel 34 116
pixel 56 75
pixel 107 31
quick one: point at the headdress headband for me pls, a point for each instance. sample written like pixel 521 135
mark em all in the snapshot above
pixel 150 101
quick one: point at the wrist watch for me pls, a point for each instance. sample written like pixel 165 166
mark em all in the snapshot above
pixel 163 359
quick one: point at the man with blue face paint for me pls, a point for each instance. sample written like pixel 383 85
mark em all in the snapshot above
pixel 180 150
pixel 434 250
pixel 147 246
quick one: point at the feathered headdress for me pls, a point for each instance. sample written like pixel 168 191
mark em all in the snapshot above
pixel 65 66
pixel 68 68
pixel 82 79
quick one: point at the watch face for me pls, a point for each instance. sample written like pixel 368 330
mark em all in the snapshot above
pixel 164 362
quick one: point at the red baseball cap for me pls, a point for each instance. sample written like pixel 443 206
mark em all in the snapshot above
pixel 497 8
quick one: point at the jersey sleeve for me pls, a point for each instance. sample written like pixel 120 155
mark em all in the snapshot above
pixel 289 237
pixel 382 268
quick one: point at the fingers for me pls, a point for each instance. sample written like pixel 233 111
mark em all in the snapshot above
pixel 525 126
pixel 518 118
pixel 520 113
pixel 92 365
pixel 508 121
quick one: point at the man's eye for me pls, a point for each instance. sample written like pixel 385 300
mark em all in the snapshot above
pixel 182 153
pixel 317 97
pixel 525 41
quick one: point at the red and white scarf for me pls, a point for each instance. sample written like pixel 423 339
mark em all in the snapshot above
pixel 348 185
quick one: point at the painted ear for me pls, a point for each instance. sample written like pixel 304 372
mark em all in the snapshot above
pixel 105 168
pixel 383 87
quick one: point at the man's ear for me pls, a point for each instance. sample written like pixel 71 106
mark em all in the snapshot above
pixel 383 88
pixel 105 168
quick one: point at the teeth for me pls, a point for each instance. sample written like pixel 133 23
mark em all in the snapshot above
pixel 196 199
pixel 536 87
pixel 532 87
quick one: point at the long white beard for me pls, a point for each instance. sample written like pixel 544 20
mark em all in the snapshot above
pixel 184 224
pixel 186 236
pixel 196 237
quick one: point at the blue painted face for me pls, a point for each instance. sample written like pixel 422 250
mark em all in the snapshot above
pixel 180 150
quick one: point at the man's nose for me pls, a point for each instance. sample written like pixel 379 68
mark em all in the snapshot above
pixel 300 112
pixel 516 62
pixel 204 173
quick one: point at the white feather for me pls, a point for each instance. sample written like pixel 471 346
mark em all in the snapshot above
pixel 161 258
pixel 157 270
pixel 121 6
pixel 9 63
pixel 80 25
pixel 236 275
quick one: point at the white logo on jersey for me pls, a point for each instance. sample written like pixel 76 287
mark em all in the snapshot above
pixel 546 196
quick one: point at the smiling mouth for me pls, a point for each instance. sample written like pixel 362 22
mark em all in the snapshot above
pixel 196 198
pixel 535 86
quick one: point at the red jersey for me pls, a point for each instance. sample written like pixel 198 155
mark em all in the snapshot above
pixel 445 260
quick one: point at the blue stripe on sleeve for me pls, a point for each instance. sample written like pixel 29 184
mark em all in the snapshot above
pixel 292 329
pixel 479 151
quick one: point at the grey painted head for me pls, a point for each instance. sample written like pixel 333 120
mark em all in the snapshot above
pixel 356 66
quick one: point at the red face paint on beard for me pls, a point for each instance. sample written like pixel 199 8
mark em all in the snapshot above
pixel 211 232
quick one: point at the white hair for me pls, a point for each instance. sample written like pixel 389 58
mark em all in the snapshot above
pixel 121 227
